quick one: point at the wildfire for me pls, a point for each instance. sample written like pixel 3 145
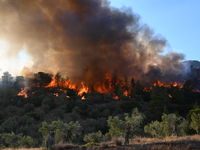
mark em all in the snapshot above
pixel 167 85
pixel 125 93
pixel 106 86
pixel 23 92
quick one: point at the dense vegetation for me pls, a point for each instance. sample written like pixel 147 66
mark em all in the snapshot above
pixel 26 122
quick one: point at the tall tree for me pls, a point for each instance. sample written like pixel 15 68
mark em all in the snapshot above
pixel 19 83
pixel 6 80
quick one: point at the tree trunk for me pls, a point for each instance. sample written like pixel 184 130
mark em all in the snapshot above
pixel 128 128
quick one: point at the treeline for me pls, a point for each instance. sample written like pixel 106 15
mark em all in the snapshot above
pixel 161 111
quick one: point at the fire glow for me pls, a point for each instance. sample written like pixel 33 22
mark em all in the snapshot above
pixel 106 87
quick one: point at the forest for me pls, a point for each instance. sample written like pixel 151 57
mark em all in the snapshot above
pixel 93 117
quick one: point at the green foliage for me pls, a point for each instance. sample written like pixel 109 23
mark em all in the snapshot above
pixel 195 124
pixel 11 124
pixel 117 127
pixel 188 86
pixel 26 142
pixel 94 113
pixel 169 123
pixel 105 113
pixel 62 131
pixel 70 105
pixel 177 94
pixel 13 140
pixel 135 119
pixel 139 88
pixel 92 144
pixel 74 115
pixel 93 137
pixel 107 97
pixel 159 98
pixel 28 107
pixel 128 106
pixel 192 111
pixel 50 102
pixel 155 128
pixel 90 100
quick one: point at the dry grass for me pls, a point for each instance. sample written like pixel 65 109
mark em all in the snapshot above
pixel 138 143
pixel 139 140
pixel 23 149
pixel 117 141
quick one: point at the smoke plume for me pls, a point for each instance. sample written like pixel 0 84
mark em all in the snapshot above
pixel 86 39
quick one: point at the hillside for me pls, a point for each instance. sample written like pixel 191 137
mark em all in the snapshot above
pixel 72 117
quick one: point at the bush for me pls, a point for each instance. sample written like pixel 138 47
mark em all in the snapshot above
pixel 13 110
pixel 90 100
pixel 26 142
pixel 50 102
pixel 28 107
pixel 34 115
pixel 74 115
pixel 11 124
pixel 107 137
pixel 93 137
pixel 92 144
pixel 70 105
pixel 59 113
pixel 107 97
pixel 77 109
pixel 94 113
pixel 129 105
pixel 105 113
pixel 45 108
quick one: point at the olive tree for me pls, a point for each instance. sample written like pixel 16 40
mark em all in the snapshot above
pixel 123 128
pixel 195 124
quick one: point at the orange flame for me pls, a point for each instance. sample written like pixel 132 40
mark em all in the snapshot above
pixel 125 93
pixel 23 92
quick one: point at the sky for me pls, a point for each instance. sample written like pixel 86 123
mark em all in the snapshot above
pixel 177 20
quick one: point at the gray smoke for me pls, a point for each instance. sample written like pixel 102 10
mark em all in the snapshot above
pixel 86 39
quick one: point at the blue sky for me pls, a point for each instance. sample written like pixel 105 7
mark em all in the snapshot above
pixel 177 20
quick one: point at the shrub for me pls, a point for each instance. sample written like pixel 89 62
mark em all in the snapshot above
pixel 195 124
pixel 94 113
pixel 93 137
pixel 26 142
pixel 90 100
pixel 77 109
pixel 107 97
pixel 45 108
pixel 105 113
pixel 13 110
pixel 33 115
pixel 154 128
pixel 70 105
pixel 92 144
pixel 28 107
pixel 129 105
pixel 59 113
pixel 50 102
pixel 74 115
pixel 107 137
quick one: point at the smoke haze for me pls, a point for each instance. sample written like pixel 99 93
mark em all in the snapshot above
pixel 86 39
